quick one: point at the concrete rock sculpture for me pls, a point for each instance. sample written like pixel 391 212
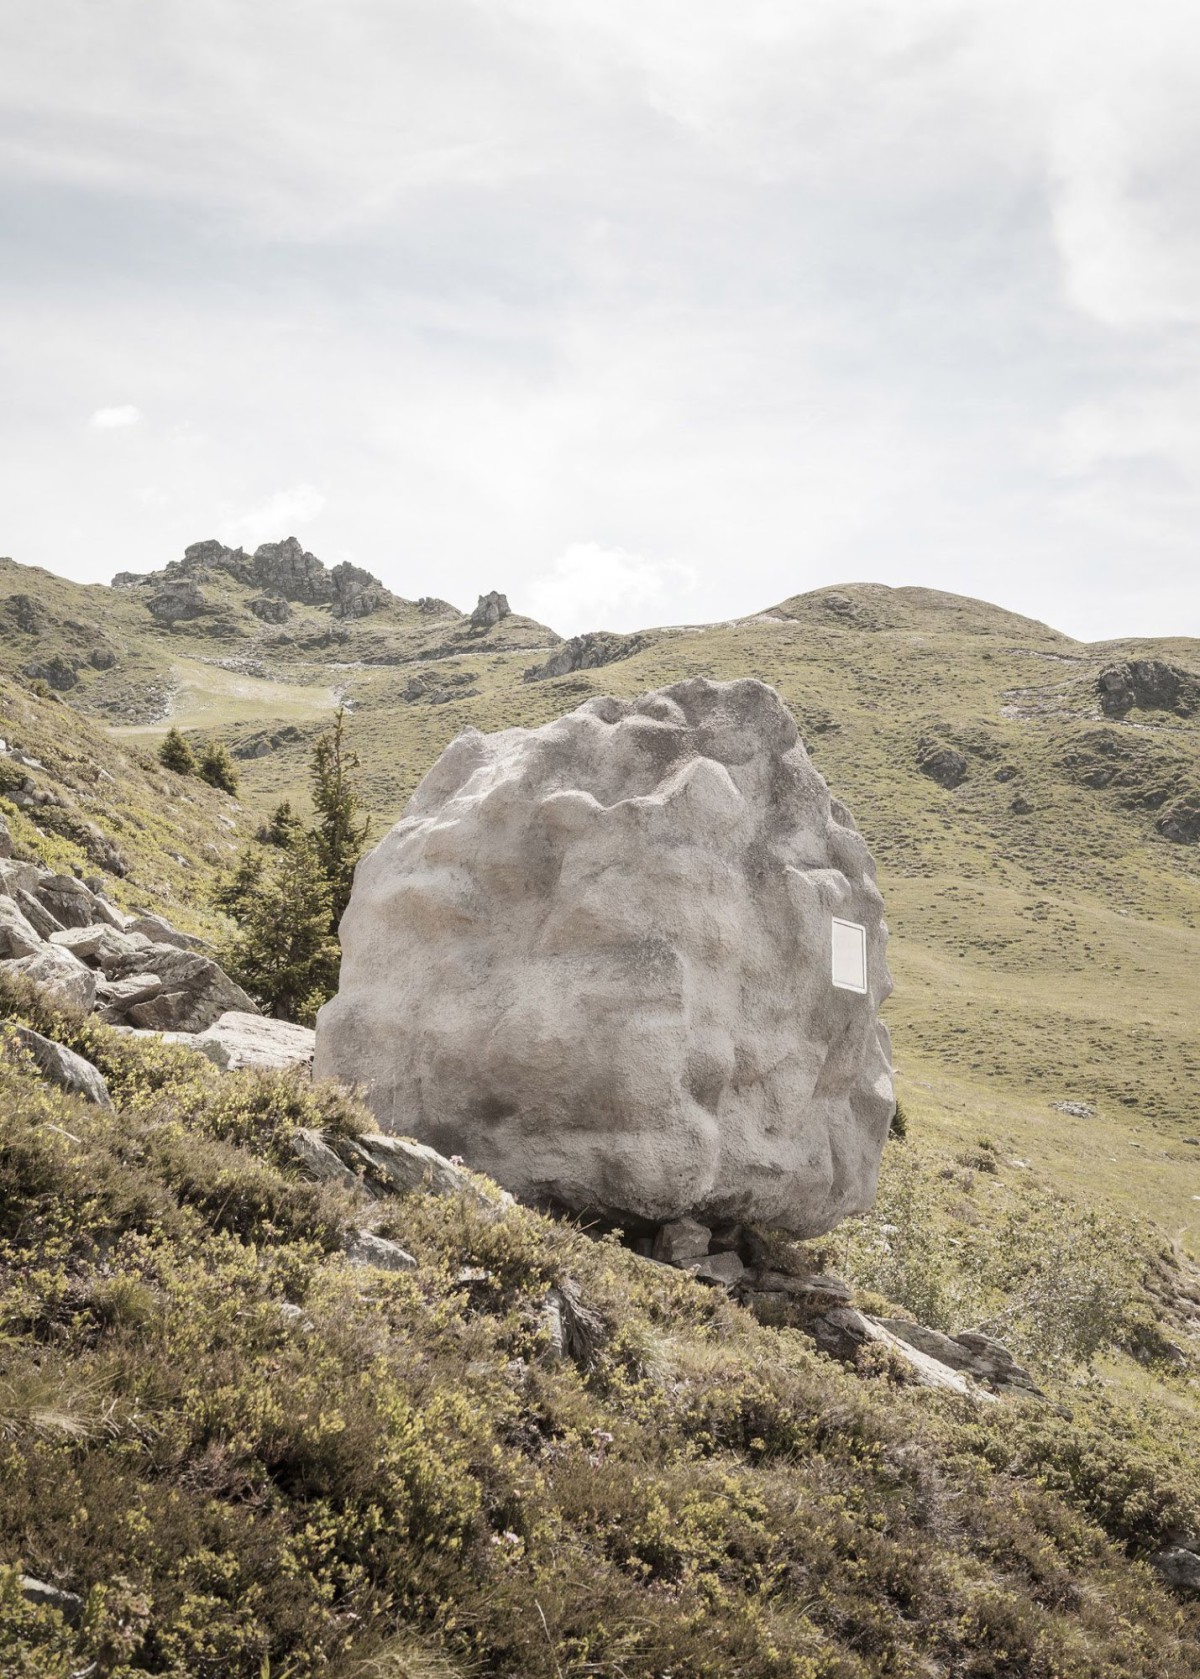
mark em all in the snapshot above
pixel 594 960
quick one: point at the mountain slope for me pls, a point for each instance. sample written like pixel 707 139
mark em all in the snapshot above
pixel 1046 934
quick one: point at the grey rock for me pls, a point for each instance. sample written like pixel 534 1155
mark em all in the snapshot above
pixel 17 937
pixel 979 1355
pixel 57 672
pixel 842 1332
pixel 195 991
pixel 573 1329
pixel 160 931
pixel 1181 822
pixel 363 1247
pixel 67 899
pixel 1179 1565
pixel 1021 806
pixel 114 999
pixel 594 959
pixel 17 876
pixel 68 1604
pixel 62 976
pixel 356 593
pixel 6 841
pixel 254 1040
pixel 681 1241
pixel 180 599
pixel 404 1167
pixel 272 609
pixel 102 658
pixel 63 1067
pixel 1149 684
pixel 490 610
pixel 941 763
pixel 725 1268
pixel 319 1161
pixel 35 912
pixel 587 652
pixel 28 614
pixel 819 1289
pixel 288 569
pixel 99 945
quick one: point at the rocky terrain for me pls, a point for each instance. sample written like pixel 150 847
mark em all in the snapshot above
pixel 281 1392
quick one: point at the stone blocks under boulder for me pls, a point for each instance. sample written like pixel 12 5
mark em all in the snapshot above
pixel 594 960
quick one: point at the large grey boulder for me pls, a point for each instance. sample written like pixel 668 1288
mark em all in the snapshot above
pixel 62 976
pixel 594 960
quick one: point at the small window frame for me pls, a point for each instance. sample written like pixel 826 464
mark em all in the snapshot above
pixel 838 957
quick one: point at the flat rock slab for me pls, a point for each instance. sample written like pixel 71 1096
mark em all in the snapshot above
pixel 240 1040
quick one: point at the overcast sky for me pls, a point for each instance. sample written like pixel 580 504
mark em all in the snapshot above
pixel 639 310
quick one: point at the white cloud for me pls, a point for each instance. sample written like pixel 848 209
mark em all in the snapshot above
pixel 278 516
pixel 115 419
pixel 591 587
pixel 794 294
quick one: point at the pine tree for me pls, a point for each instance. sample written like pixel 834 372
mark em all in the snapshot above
pixel 340 831
pixel 175 754
pixel 282 827
pixel 283 952
pixel 216 767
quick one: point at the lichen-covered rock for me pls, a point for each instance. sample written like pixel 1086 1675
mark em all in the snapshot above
pixel 593 959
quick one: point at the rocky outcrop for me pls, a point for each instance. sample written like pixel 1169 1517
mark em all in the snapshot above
pixel 356 593
pixel 57 672
pixel 941 763
pixel 270 609
pixel 135 970
pixel 1181 823
pixel 587 652
pixel 288 569
pixel 179 599
pixel 490 609
pixel 595 960
pixel 27 614
pixel 1148 685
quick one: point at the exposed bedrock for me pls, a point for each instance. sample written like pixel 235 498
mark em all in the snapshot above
pixel 594 960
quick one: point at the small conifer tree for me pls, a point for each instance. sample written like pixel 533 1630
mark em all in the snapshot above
pixel 340 831
pixel 283 951
pixel 175 754
pixel 216 767
pixel 282 826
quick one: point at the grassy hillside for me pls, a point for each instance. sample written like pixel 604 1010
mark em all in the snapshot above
pixel 249 1458
pixel 246 1457
pixel 1046 937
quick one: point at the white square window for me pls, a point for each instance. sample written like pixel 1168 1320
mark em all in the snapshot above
pixel 850 956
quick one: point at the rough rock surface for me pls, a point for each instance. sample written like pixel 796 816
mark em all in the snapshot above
pixel 941 763
pixel 63 1067
pixel 490 609
pixel 56 971
pixel 593 959
pixel 1150 685
pixel 239 1040
pixel 587 652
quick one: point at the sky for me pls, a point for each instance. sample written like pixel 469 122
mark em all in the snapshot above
pixel 640 311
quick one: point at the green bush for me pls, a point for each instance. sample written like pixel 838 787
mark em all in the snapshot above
pixel 217 768
pixel 175 754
